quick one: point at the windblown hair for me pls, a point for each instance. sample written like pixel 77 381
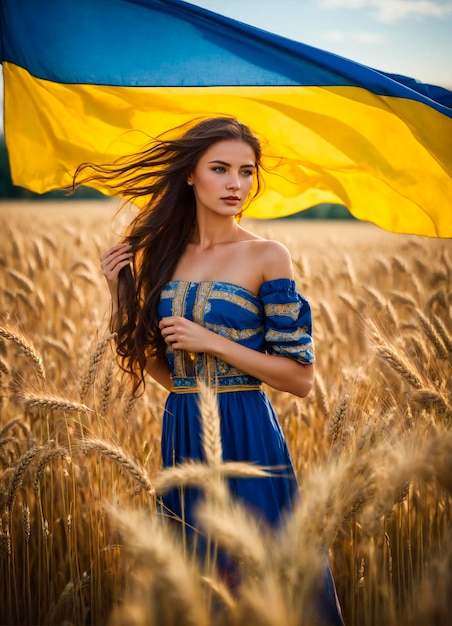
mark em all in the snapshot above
pixel 159 233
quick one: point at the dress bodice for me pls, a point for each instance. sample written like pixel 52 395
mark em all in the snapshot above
pixel 276 320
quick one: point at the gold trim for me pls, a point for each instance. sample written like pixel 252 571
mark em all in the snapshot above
pixel 219 389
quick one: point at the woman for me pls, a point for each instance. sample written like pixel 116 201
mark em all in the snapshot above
pixel 196 295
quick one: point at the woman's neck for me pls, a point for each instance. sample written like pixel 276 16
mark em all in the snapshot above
pixel 218 229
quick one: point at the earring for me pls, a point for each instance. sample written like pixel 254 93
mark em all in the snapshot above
pixel 189 183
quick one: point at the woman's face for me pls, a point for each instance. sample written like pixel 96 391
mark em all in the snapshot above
pixel 223 177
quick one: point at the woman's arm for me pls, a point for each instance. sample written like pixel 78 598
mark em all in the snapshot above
pixel 159 370
pixel 282 373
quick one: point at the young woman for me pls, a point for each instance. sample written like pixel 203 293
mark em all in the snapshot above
pixel 197 296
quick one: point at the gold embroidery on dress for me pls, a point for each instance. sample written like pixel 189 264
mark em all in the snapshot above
pixel 294 335
pixel 178 309
pixel 235 333
pixel 288 309
pixel 167 294
pixel 236 299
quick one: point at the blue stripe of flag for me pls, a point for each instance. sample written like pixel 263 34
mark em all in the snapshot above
pixel 171 43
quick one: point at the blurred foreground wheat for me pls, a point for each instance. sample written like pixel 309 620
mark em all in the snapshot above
pixel 81 541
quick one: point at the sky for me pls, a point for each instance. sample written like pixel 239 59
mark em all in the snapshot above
pixel 408 37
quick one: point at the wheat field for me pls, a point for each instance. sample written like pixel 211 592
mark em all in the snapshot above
pixel 81 539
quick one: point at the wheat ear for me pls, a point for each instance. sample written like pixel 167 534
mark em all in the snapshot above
pixel 4 367
pixel 210 419
pixel 197 474
pixel 321 394
pixel 234 528
pixel 399 365
pixel 169 591
pixel 25 346
pixel 94 363
pixel 20 279
pixel 338 418
pixel 17 475
pixel 119 456
pixel 443 333
pixel 47 455
pixel 107 387
pixel 15 421
pixel 50 402
pixel 434 337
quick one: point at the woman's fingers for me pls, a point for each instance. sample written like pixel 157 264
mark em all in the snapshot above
pixel 170 329
pixel 183 334
pixel 114 259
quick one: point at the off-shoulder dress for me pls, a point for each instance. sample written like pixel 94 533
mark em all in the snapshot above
pixel 278 321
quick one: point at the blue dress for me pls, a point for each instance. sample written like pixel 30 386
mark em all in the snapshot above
pixel 277 321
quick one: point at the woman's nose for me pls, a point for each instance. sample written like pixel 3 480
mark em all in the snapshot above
pixel 233 181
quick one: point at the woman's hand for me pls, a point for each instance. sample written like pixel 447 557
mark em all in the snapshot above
pixel 182 334
pixel 111 262
pixel 282 373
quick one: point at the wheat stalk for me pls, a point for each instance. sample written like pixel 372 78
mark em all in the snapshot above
pixel 46 457
pixel 25 346
pixel 20 279
pixel 377 298
pixel 399 365
pixel 336 423
pixel 350 303
pixel 321 394
pixel 403 298
pixel 58 346
pixel 118 455
pixel 350 269
pixel 169 593
pixel 15 421
pixel 107 387
pixel 94 363
pixel 431 333
pixel 430 398
pixel 50 402
pixel 438 297
pixel 329 317
pixel 26 521
pixel 197 474
pixel 4 367
pixel 443 333
pixel 210 420
pixel 234 528
pixel 18 472
pixel 5 535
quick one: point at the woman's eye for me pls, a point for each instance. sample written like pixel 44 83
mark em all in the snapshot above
pixel 219 168
pixel 247 172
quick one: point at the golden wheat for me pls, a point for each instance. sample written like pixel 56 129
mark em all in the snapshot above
pixel 374 473
pixel 94 364
pixel 26 347
pixel 118 455
pixel 208 408
pixel 49 402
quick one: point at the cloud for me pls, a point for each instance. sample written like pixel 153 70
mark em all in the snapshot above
pixel 362 37
pixel 393 10
pixel 334 35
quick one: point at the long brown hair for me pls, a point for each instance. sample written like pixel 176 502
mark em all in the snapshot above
pixel 159 233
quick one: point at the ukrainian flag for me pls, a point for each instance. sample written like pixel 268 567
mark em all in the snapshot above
pixel 89 80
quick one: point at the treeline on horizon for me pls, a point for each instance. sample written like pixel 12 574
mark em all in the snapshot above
pixel 9 191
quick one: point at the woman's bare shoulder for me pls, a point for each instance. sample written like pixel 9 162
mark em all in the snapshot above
pixel 272 256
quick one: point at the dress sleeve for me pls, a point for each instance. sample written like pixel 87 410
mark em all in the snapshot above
pixel 288 321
